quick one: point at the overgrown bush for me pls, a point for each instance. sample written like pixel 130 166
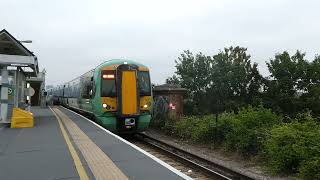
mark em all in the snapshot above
pixel 294 147
pixel 229 81
pixel 223 127
pixel 168 126
pixel 289 147
pixel 310 169
pixel 249 128
pixel 195 128
pixel 244 131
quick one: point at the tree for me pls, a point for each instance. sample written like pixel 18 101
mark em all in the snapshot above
pixel 311 98
pixel 173 80
pixel 235 80
pixel 225 81
pixel 229 80
pixel 288 81
pixel 192 74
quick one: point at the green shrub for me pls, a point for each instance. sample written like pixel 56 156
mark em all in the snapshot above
pixel 195 128
pixel 249 128
pixel 201 129
pixel 310 169
pixel 184 127
pixel 291 145
pixel 168 126
pixel 219 130
pixel 204 128
pixel 281 149
pixel 244 131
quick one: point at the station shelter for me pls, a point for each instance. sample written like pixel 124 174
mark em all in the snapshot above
pixel 19 73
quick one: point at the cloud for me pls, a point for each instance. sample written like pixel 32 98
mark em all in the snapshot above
pixel 71 37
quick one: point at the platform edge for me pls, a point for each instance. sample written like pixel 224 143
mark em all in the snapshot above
pixel 136 147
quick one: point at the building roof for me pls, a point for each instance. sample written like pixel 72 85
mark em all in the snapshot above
pixel 11 46
pixel 15 54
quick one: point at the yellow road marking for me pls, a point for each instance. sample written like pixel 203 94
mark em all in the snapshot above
pixel 101 166
pixel 82 173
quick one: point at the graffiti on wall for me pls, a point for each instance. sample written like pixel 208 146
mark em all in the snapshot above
pixel 161 107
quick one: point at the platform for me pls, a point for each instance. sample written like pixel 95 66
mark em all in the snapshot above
pixel 44 152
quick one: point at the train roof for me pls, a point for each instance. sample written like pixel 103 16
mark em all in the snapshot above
pixel 106 63
pixel 119 61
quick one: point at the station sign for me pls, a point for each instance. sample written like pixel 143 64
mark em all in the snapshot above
pixel 29 91
pixel 10 91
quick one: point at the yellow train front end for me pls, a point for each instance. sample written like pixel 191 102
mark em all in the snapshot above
pixel 126 97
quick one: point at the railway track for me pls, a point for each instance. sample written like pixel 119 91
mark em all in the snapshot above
pixel 190 164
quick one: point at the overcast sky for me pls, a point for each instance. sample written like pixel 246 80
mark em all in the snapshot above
pixel 71 37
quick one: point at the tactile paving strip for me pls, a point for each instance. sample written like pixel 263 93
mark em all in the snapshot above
pixel 99 163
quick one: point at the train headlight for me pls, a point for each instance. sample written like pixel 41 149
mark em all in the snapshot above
pixel 104 105
pixel 145 106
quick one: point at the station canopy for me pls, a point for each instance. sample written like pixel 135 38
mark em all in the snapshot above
pixel 14 54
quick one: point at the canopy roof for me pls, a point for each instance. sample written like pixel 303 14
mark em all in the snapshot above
pixel 13 53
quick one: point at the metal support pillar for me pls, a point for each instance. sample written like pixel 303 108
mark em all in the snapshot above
pixel 4 95
pixel 17 92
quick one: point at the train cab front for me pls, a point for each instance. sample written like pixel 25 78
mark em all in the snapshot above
pixel 126 97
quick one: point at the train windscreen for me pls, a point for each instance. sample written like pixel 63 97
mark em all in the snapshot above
pixel 108 85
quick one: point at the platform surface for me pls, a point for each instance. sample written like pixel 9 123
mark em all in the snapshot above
pixel 42 152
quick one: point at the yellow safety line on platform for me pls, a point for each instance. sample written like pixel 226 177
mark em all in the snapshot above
pixel 82 173
pixel 101 166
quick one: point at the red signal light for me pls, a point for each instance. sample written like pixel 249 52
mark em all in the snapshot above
pixel 171 106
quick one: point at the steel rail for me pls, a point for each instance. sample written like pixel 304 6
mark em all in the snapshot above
pixel 193 159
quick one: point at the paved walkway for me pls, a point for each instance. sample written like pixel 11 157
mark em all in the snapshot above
pixel 65 145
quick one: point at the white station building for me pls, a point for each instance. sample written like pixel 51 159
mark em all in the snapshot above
pixel 21 83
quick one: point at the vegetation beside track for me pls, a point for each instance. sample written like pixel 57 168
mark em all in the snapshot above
pixel 231 105
pixel 284 147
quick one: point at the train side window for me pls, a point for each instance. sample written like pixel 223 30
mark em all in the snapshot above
pixel 93 88
pixel 89 90
pixel 86 89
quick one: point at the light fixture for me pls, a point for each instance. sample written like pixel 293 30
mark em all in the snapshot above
pixel 145 106
pixel 26 41
pixel 104 105
pixel 108 76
